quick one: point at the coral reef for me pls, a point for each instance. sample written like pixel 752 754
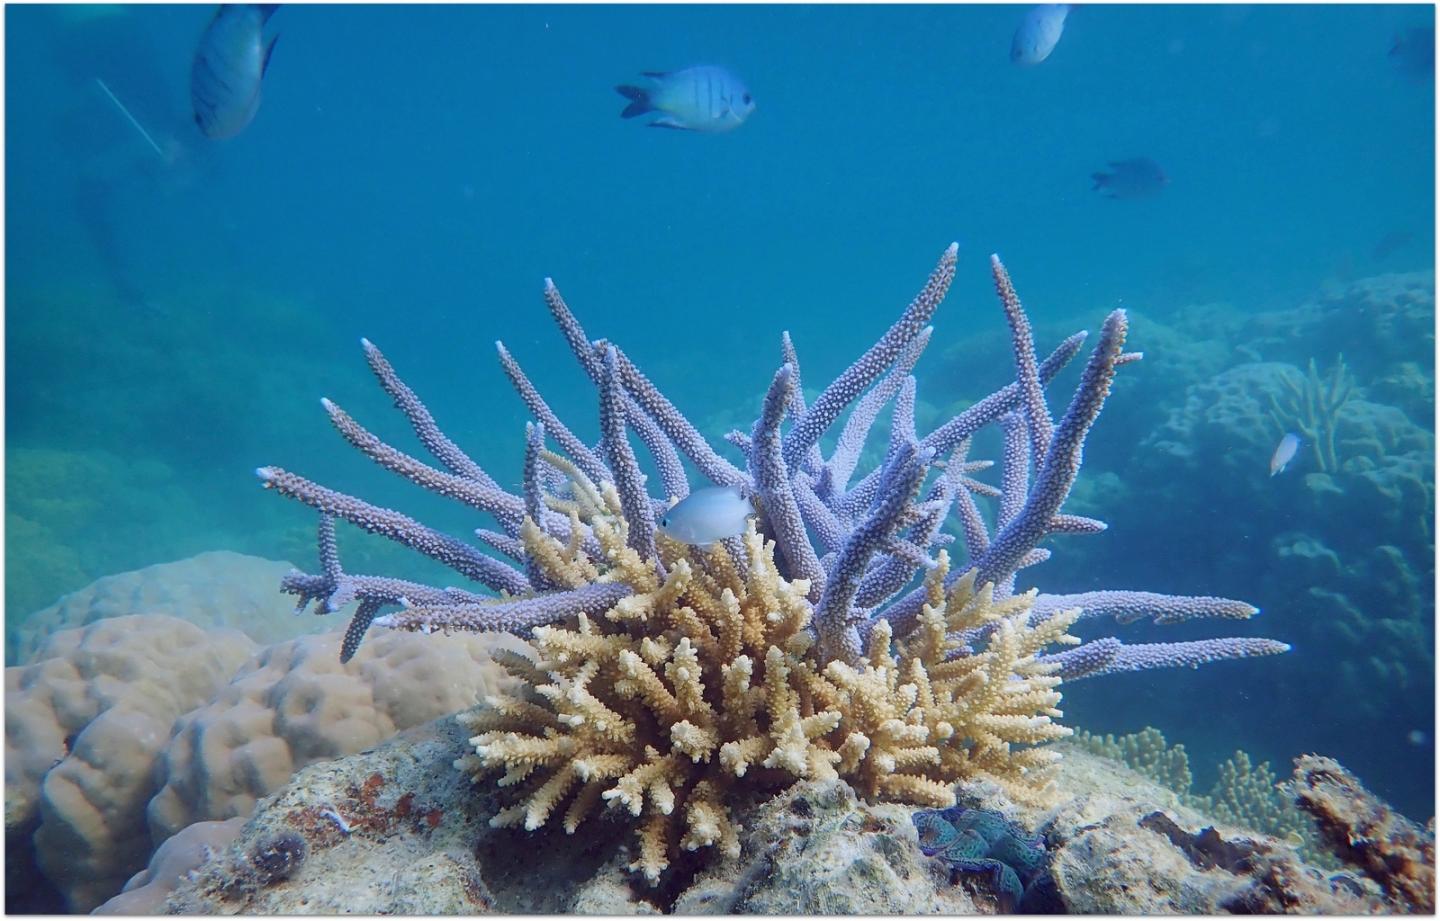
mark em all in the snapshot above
pixel 419 843
pixel 294 704
pixel 215 589
pixel 84 725
pixel 1342 561
pixel 1244 795
pixel 130 721
pixel 664 672
pixel 1311 409
pixel 1145 751
pixel 1367 833
pixel 742 691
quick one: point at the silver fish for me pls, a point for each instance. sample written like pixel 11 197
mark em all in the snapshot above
pixel 708 515
pixel 1138 177
pixel 1039 33
pixel 1284 453
pixel 228 69
pixel 705 98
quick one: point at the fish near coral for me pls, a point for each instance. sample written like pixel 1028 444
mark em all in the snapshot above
pixel 1284 453
pixel 229 68
pixel 1039 33
pixel 708 515
pixel 1138 177
pixel 707 99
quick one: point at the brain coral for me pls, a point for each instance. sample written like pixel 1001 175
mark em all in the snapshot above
pixel 84 725
pixel 217 589
pixel 295 704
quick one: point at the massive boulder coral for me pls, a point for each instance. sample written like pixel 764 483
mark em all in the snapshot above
pixel 130 721
pixel 214 589
pixel 648 691
pixel 295 704
pixel 84 726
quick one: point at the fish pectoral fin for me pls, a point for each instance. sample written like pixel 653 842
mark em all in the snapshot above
pixel 269 50
pixel 669 122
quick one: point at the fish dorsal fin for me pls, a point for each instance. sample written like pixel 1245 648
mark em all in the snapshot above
pixel 269 50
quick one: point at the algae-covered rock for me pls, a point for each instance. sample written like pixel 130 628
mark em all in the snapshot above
pixel 817 849
pixel 400 830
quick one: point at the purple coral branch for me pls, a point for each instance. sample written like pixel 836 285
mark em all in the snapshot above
pixel 674 424
pixel 1062 459
pixel 435 441
pixel 834 621
pixel 1032 394
pixel 1143 656
pixel 846 455
pixel 1129 606
pixel 1002 401
pixel 573 447
pixel 629 482
pixel 400 528
pixel 519 616
pixel 773 485
pixel 869 366
pixel 591 358
pixel 506 508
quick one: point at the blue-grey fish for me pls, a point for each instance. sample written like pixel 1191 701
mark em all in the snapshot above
pixel 706 98
pixel 1039 33
pixel 708 515
pixel 228 69
pixel 1284 453
pixel 1140 177
pixel 1413 53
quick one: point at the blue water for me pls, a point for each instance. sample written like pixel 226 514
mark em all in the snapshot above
pixel 414 173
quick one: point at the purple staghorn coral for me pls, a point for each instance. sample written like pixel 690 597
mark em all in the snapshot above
pixel 856 548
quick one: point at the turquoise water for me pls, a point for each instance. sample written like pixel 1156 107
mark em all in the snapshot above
pixel 414 173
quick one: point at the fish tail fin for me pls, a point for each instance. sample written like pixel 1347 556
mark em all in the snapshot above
pixel 266 11
pixel 639 101
pixel 1100 179
pixel 269 50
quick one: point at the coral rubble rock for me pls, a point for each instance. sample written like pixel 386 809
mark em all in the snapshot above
pixel 420 840
pixel 1123 845
pixel 1366 832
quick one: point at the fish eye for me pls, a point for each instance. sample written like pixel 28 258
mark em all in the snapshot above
pixel 745 99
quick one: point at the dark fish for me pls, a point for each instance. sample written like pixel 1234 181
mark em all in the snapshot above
pixel 229 67
pixel 1413 54
pixel 1140 177
pixel 1392 243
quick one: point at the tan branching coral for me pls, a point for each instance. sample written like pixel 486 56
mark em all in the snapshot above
pixel 706 675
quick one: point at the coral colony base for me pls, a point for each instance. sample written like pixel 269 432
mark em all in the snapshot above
pixel 667 677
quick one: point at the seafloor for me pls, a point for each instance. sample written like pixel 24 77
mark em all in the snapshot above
pixel 390 826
